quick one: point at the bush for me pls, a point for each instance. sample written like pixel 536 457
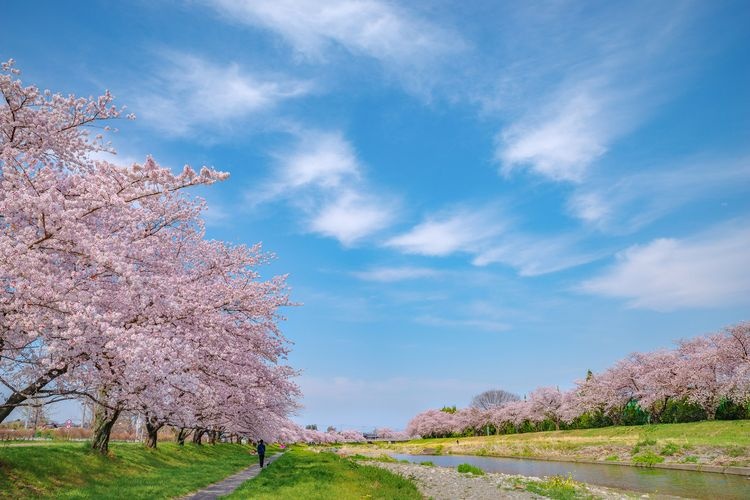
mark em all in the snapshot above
pixel 669 449
pixel 632 414
pixel 427 464
pixel 648 459
pixel 558 487
pixel 470 469
pixel 682 411
pixel 690 459
pixel 729 410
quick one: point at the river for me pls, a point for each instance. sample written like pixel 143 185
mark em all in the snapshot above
pixel 645 480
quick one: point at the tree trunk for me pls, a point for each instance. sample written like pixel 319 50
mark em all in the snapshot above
pixel 212 436
pixel 198 435
pixel 19 397
pixel 182 435
pixel 104 420
pixel 152 431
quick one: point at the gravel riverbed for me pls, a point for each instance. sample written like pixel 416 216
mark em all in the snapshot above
pixel 442 483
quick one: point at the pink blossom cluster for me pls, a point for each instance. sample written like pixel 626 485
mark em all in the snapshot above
pixel 703 370
pixel 111 292
pixel 296 434
pixel 391 435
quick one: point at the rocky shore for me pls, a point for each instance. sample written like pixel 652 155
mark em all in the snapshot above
pixel 442 483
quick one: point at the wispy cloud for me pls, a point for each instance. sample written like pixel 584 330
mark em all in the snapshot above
pixel 628 202
pixel 351 216
pixel 190 94
pixel 395 274
pixel 581 80
pixel 458 230
pixel 533 256
pixel 322 176
pixel 488 235
pixel 466 324
pixel 711 269
pixel 374 28
pixel 564 139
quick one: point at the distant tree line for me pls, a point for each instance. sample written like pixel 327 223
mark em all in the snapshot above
pixel 702 378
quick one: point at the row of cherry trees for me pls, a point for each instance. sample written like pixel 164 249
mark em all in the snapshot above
pixel 110 291
pixel 703 373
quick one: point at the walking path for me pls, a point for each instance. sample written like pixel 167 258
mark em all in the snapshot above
pixel 231 483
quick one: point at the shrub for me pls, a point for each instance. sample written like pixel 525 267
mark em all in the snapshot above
pixel 612 458
pixel 690 459
pixel 558 487
pixel 729 410
pixel 682 411
pixel 427 464
pixel 669 449
pixel 470 469
pixel 648 459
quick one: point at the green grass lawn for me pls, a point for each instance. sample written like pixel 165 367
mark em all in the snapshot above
pixel 717 442
pixel 302 474
pixel 70 470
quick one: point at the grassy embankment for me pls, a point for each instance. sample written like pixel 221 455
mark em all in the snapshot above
pixel 70 470
pixel 304 474
pixel 723 443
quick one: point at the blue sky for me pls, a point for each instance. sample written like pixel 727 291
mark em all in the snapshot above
pixel 465 195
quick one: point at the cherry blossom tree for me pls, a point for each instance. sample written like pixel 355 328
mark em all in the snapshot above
pixel 547 403
pixel 111 291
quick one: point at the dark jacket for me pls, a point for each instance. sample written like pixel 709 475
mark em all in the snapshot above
pixel 261 449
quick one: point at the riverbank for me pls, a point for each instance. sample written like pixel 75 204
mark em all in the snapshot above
pixel 710 446
pixel 442 483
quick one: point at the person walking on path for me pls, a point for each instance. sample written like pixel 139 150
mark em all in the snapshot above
pixel 261 449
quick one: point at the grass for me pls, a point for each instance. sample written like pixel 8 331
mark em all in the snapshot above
pixel 715 441
pixel 669 450
pixel 470 469
pixel 647 458
pixel 559 488
pixel 301 473
pixel 70 470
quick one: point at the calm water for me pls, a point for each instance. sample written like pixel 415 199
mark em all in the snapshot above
pixel 663 481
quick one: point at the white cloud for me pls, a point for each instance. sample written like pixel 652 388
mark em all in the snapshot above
pixel 373 28
pixel 191 94
pixel 394 274
pixel 575 81
pixel 629 202
pixel 535 256
pixel 319 160
pixel 462 230
pixel 488 235
pixel 561 142
pixel 351 217
pixel 468 324
pixel 322 177
pixel 711 269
